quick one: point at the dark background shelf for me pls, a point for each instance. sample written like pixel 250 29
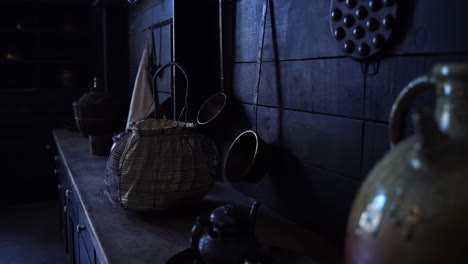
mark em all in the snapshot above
pixel 45 64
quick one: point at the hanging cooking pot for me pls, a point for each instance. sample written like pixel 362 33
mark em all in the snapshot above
pixel 212 108
pixel 248 156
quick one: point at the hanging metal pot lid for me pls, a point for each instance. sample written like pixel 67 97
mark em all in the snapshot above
pixel 362 27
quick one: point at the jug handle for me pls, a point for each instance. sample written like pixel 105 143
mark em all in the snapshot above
pixel 403 103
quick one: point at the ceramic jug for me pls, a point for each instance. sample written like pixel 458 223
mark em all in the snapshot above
pixel 413 205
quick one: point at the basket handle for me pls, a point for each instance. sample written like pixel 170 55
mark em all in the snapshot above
pixel 184 109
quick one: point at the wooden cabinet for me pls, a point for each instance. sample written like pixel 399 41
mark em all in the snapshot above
pixel 78 242
pixel 62 187
pixel 85 245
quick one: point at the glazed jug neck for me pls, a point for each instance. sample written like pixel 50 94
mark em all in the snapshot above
pixel 451 111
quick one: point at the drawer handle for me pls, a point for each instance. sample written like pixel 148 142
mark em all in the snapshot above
pixel 56 171
pixel 68 193
pixel 65 209
pixel 56 158
pixel 80 228
pixel 59 186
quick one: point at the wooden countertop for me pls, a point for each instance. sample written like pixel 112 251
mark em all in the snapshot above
pixel 120 236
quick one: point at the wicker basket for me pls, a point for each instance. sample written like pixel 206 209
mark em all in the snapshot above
pixel 112 175
pixel 166 167
pixel 165 164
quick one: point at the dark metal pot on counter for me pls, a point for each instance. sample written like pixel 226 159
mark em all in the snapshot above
pixel 228 238
pixel 413 205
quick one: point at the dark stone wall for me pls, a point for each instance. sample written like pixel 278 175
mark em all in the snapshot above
pixel 326 120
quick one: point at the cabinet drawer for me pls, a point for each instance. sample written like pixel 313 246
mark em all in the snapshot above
pixel 71 203
pixel 84 257
pixel 68 194
pixel 84 234
pixel 98 261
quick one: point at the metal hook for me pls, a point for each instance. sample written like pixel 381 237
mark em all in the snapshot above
pixel 365 68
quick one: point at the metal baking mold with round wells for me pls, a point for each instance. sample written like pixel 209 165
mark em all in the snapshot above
pixel 362 27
